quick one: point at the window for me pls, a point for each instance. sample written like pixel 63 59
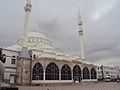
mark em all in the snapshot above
pixel 107 72
pixel 52 72
pixel 86 74
pixel 3 58
pixel 37 73
pixel 34 56
pixel 76 72
pixel 66 73
pixel 98 68
pixel 13 60
pixel 93 73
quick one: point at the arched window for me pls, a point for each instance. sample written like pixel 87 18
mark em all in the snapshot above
pixel 52 72
pixel 66 73
pixel 37 73
pixel 93 74
pixel 76 72
pixel 86 74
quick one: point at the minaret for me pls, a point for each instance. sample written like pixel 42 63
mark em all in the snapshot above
pixel 81 34
pixel 27 23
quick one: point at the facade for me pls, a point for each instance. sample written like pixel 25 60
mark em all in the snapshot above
pixel 34 60
pixel 1 73
pixel 10 65
pixel 45 64
pixel 52 68
pixel 39 62
pixel 112 71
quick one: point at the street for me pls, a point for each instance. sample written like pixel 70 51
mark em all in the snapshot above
pixel 81 86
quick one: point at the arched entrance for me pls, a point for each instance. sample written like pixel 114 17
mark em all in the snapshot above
pixel 93 74
pixel 37 72
pixel 76 73
pixel 66 73
pixel 86 74
pixel 52 72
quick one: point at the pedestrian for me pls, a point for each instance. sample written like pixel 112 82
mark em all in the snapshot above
pixel 80 79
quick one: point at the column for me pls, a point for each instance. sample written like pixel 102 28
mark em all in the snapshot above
pixel 44 74
pixel 59 74
pixel 44 67
pixel 72 74
pixel 90 73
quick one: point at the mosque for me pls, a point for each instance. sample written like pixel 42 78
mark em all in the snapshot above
pixel 39 62
pixel 44 64
pixel 36 61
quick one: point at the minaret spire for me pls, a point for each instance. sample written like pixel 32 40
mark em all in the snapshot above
pixel 81 34
pixel 27 24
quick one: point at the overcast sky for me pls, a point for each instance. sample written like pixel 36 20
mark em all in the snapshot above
pixel 58 19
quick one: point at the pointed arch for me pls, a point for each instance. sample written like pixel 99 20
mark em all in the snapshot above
pixel 52 72
pixel 66 72
pixel 76 72
pixel 86 73
pixel 93 74
pixel 37 72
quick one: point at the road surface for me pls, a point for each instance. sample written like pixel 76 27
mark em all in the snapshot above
pixel 81 86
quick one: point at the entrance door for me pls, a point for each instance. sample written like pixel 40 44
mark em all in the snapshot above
pixel 12 79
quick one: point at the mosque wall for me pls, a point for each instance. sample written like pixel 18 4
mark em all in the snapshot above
pixel 25 70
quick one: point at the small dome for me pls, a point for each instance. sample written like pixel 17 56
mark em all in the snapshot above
pixel 14 47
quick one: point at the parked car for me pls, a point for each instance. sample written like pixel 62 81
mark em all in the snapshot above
pixel 107 78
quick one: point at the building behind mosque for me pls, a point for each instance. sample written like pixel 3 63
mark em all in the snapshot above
pixel 1 73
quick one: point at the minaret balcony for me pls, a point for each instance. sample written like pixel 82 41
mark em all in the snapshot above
pixel 27 9
pixel 28 5
pixel 81 32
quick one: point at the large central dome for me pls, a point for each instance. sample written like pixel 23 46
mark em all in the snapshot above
pixel 35 40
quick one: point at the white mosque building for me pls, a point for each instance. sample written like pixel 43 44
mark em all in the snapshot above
pixel 44 64
pixel 40 63
pixel 33 60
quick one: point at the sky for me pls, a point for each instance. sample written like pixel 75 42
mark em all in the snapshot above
pixel 58 20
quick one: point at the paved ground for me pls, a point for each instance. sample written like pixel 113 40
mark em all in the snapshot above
pixel 82 86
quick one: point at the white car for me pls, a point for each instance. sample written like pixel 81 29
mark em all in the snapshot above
pixel 107 78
